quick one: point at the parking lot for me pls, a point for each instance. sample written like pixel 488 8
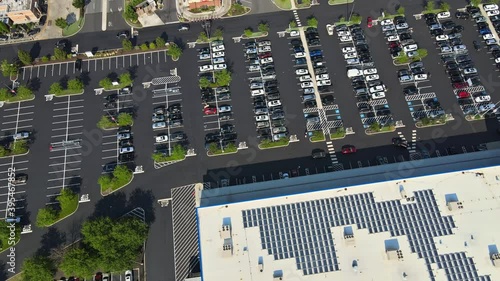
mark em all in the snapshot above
pixel 65 155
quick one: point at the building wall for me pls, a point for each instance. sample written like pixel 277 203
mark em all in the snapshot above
pixel 21 17
pixel 193 4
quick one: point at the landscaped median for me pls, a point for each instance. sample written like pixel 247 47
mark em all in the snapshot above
pixel 178 154
pixel 120 177
pixel 214 149
pixel 112 83
pixel 74 27
pixel 109 122
pixel 339 2
pixel 51 214
pixel 377 128
pixel 73 87
pixel 237 10
pixel 429 122
pixel 354 19
pixel 317 136
pixel 263 31
pixel 22 93
pixel 9 236
pixel 267 144
pixel 283 4
pixel 18 147
pixel 403 58
pixel 338 133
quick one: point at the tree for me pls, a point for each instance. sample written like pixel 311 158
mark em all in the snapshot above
pixel 79 262
pixel 263 27
pixel 61 23
pixel 79 4
pixel 223 78
pixel 24 92
pixel 38 268
pixel 46 216
pixel 312 21
pixel 125 119
pixel 59 54
pixel 19 147
pixel 144 47
pixel 401 10
pixel 125 79
pixel 4 95
pixel 218 33
pixel 248 32
pixel 430 6
pixel 106 83
pixel 75 84
pixel 202 37
pixel 174 51
pixel 160 42
pixel 445 6
pixel 24 57
pixel 293 24
pixel 67 199
pixel 130 13
pixel 4 28
pixel 152 45
pixel 8 69
pixel 127 45
pixel 55 88
pixel 204 82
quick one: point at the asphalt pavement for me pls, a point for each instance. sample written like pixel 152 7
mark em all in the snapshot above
pixel 52 120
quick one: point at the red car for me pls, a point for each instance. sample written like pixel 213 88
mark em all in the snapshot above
pixel 369 22
pixel 460 85
pixel 265 55
pixel 394 44
pixel 463 94
pixel 348 149
pixel 210 110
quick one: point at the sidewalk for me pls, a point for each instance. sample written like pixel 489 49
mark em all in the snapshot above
pixel 183 11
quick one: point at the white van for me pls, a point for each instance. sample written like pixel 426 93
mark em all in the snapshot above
pixel 354 72
pixel 127 149
pixel 410 48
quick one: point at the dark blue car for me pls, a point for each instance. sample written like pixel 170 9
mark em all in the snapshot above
pixel 484 31
pixel 316 53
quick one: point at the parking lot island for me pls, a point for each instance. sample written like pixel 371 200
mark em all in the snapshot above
pixel 120 177
pixel 52 214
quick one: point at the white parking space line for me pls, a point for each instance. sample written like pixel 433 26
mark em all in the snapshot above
pixel 16 163
pixel 74 127
pixel 17 121
pixel 69 134
pixel 72 114
pixel 20 114
pixel 69 162
pixel 17 169
pixel 72 107
pixel 61 122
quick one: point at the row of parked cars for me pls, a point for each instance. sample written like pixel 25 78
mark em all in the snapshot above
pixel 268 111
pixel 213 57
pixel 169 118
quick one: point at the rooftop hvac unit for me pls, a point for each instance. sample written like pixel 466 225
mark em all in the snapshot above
pixel 455 205
pixel 225 231
pixel 495 258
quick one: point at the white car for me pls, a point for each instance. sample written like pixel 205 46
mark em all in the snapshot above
pixel 159 125
pixel 345 39
pixel 343 33
pixel 225 108
pixel 420 77
pixel 386 22
pixel 442 37
pixel 322 77
pixel 218 48
pixel 300 55
pixel 305 78
pixel 488 36
pixel 446 49
pixel 254 68
pixel 388 27
pixel 264 49
pixel 483 98
pixel 264 43
pixel 21 135
pixel 220 66
pixel 206 67
pixel 490 7
pixel 378 95
pixel 294 33
pixel 204 56
pixel 486 107
pixel 126 149
pixel 274 103
pixel 393 38
pixel 346 50
pixel 490 42
pixel 324 83
pixel 218 60
pixel 352 61
pixel 266 60
pixel 350 55
pixel 161 138
pixel 218 54
pixel 409 48
pixel 402 25
pixel 370 71
pixel 129 276
pixel 443 15
pixel 470 71
pixel 378 88
pixel 497 60
pixel 258 92
pixel 306 85
pixel 301 71
pixel 125 136
pixel 372 77
pixel 459 48
pixel 260 118
pixel 492 13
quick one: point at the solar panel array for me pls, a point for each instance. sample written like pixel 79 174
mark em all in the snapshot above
pixel 302 230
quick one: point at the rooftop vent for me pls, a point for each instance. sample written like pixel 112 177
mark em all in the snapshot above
pixel 454 205
pixel 225 232
pixel 394 254
pixel 495 258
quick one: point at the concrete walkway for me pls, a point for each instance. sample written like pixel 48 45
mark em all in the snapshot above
pixel 56 9
pixel 183 11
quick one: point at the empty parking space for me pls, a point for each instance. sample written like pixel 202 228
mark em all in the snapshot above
pixel 65 155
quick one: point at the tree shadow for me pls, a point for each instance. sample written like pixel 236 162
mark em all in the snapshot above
pixel 34 84
pixel 85 78
pixel 51 240
pixel 164 36
pixel 113 76
pixel 64 81
pixel 3 270
pixel 112 206
pixel 74 184
pixel 22 211
pixel 143 199
pixel 35 50
pixel 133 71
pixel 179 42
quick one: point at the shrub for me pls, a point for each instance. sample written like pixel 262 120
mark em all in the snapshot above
pixel 144 47
pixel 160 42
pixel 127 45
pixel 55 88
pixel 61 23
pixel 152 46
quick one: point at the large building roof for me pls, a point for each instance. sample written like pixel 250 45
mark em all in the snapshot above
pixel 423 226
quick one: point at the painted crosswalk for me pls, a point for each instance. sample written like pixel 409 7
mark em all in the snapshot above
pixel 413 144
pixel 297 19
pixel 331 151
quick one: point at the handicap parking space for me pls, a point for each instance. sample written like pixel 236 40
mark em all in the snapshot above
pixel 218 115
pixel 65 155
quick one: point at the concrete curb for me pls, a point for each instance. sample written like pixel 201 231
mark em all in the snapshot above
pixel 344 3
pixel 244 14
pixel 434 125
pixel 69 95
pixel 279 146
pixel 79 29
pixel 291 8
pixel 324 139
pixel 221 154
pixel 381 132
pixel 15 155
pixel 104 195
pixel 243 36
pixel 11 102
pixel 70 214
pixel 339 138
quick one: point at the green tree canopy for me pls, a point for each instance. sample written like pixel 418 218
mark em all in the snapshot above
pixel 430 6
pixel 400 10
pixel 8 68
pixel 79 262
pixel 38 268
pixel 223 78
pixel 218 33
pixel 174 51
pixel 204 82
pixel 475 3
pixel 24 92
pixel 61 23
pixel 67 198
pixel 312 21
pixel 125 119
pixel 46 216
pixel 293 24
pixel 248 32
pixel 130 13
pixel 106 82
pixel 75 84
pixel 445 6
pixel 125 78
pixel 160 42
pixel 263 27
pixel 59 54
pixel 202 37
pixel 127 45
pixel 4 28
pixel 24 57
pixel 79 4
